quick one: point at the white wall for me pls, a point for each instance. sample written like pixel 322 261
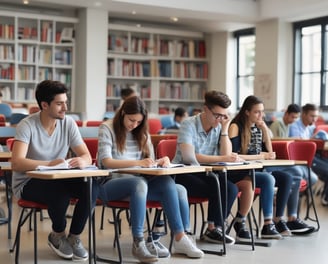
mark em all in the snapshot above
pixel 91 63
pixel 273 64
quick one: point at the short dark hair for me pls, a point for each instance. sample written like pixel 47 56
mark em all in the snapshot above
pixel 179 111
pixel 215 98
pixel 47 90
pixel 309 107
pixel 293 108
pixel 126 92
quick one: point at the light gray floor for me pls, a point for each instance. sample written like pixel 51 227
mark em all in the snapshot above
pixel 305 249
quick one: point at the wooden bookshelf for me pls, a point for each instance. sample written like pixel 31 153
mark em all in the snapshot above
pixel 33 49
pixel 168 68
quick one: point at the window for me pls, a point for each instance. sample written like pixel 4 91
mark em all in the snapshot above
pixel 245 40
pixel 310 62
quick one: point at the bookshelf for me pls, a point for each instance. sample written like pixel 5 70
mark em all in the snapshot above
pixel 32 49
pixel 167 67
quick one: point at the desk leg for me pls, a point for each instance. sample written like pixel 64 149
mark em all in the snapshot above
pixel 90 233
pixel 7 177
pixel 221 252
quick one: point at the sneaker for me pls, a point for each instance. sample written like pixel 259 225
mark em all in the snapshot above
pixel 324 202
pixel 298 227
pixel 187 247
pixel 216 236
pixel 270 231
pixel 79 252
pixel 242 234
pixel 60 245
pixel 156 248
pixel 140 252
pixel 282 228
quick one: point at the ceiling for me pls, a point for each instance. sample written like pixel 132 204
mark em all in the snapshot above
pixel 203 15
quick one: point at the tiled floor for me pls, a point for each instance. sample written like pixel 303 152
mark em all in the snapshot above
pixel 307 249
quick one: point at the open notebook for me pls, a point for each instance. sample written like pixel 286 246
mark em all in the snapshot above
pixel 64 166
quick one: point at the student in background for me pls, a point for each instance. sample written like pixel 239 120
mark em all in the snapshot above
pixel 205 136
pixel 180 114
pixel 126 93
pixel 44 138
pixel 125 142
pixel 304 128
pixel 280 127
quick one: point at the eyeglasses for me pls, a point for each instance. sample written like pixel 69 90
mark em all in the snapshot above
pixel 218 116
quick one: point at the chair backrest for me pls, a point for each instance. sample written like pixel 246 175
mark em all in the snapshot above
pixel 154 125
pixel 302 150
pixel 93 123
pixel 92 144
pixel 281 149
pixel 2 120
pixel 10 143
pixel 33 109
pixel 166 147
pixel 79 123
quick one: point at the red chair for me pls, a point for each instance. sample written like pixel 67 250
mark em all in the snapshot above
pixel 93 123
pixel 92 144
pixel 29 209
pixel 2 120
pixel 79 123
pixel 154 125
pixel 167 147
pixel 117 208
pixel 305 151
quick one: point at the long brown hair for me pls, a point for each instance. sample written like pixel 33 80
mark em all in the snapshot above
pixel 241 120
pixel 131 106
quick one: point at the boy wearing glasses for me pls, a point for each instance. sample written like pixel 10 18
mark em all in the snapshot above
pixel 206 136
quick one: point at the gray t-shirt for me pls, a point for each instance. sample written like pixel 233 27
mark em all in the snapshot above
pixel 107 145
pixel 41 146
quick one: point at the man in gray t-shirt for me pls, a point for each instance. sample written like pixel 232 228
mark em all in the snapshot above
pixel 44 138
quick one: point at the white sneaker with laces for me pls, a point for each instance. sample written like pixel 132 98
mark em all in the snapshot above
pixel 187 247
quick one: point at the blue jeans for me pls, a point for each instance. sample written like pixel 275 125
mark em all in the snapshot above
pixel 265 182
pixel 138 190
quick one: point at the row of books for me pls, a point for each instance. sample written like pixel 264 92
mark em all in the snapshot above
pixel 26 73
pixel 6 93
pixel 7 71
pixel 158 47
pixel 26 53
pixel 7 52
pixel 190 70
pixel 23 93
pixel 182 48
pixel 45 56
pixel 128 68
pixel 7 31
pixel 28 33
pixel 63 57
pixel 178 90
pixel 114 89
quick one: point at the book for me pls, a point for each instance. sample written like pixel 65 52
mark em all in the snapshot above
pixel 226 163
pixel 64 166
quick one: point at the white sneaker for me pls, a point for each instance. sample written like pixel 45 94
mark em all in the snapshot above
pixel 187 247
pixel 157 248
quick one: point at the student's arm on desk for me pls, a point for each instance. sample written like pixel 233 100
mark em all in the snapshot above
pixel 19 162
